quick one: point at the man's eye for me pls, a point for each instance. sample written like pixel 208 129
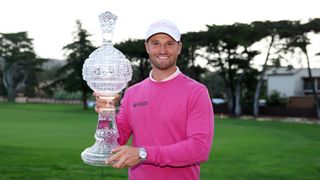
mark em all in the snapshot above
pixel 170 43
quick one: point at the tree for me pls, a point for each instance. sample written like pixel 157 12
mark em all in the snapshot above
pixel 3 91
pixel 300 40
pixel 135 51
pixel 70 75
pixel 311 26
pixel 275 31
pixel 214 84
pixel 186 63
pixel 20 64
pixel 228 51
pixel 294 36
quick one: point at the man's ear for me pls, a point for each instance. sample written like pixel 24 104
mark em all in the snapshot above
pixel 146 46
pixel 180 47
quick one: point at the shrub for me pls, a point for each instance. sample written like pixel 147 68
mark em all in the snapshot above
pixel 276 99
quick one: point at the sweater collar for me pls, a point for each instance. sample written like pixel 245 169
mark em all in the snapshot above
pixel 172 76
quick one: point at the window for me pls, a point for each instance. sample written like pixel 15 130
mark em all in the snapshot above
pixel 307 83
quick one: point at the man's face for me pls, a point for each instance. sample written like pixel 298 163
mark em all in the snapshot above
pixel 163 51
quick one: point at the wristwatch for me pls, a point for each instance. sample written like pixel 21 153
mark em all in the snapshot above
pixel 142 154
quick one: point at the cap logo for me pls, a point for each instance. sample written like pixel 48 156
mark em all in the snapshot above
pixel 163 25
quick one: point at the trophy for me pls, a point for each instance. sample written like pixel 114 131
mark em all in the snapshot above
pixel 106 71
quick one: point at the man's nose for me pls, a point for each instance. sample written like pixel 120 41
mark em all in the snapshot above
pixel 163 49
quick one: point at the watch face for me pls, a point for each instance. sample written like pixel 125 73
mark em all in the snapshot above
pixel 142 153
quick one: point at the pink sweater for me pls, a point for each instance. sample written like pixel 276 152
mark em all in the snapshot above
pixel 173 121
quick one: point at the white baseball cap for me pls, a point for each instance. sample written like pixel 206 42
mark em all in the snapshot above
pixel 164 26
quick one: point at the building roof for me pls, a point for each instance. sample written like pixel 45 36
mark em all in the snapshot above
pixel 282 71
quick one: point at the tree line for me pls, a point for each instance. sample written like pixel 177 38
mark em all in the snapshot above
pixel 228 52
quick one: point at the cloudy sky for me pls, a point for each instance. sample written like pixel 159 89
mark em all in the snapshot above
pixel 51 22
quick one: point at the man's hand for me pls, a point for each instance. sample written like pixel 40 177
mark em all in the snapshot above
pixel 103 102
pixel 124 156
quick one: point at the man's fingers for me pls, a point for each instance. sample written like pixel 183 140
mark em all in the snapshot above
pixel 117 153
pixel 125 156
pixel 96 94
pixel 119 164
pixel 96 109
pixel 103 103
pixel 117 149
pixel 116 100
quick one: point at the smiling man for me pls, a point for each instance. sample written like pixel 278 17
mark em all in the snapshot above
pixel 168 115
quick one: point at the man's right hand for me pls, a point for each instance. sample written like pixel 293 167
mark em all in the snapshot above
pixel 103 103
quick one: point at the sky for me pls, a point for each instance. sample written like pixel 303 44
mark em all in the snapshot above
pixel 50 23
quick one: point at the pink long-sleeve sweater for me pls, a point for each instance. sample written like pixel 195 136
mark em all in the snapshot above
pixel 173 121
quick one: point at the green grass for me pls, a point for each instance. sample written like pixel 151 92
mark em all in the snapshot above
pixel 44 141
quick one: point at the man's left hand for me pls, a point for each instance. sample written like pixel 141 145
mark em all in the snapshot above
pixel 124 156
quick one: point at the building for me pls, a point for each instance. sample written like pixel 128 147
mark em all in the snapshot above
pixel 294 84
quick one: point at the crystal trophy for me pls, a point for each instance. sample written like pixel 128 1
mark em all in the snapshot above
pixel 106 71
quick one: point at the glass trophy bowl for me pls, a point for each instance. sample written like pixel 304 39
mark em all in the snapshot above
pixel 106 71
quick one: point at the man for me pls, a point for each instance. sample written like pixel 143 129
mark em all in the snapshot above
pixel 168 115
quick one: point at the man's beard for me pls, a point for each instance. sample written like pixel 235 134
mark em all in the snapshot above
pixel 163 66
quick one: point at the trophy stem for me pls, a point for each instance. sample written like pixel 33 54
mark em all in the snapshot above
pixel 107 38
pixel 106 136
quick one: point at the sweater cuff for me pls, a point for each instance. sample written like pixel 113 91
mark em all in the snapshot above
pixel 151 155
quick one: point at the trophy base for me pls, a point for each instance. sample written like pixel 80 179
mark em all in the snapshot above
pixel 97 154
pixel 94 159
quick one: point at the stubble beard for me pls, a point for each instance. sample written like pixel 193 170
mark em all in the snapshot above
pixel 162 66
